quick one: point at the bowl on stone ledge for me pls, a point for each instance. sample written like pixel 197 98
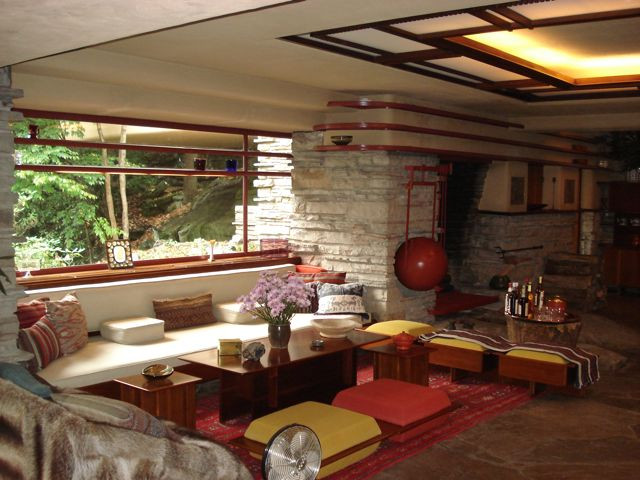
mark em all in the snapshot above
pixel 341 139
pixel 338 327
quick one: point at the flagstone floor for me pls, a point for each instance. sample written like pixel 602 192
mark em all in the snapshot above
pixel 555 436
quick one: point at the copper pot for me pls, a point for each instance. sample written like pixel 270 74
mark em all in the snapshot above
pixel 403 341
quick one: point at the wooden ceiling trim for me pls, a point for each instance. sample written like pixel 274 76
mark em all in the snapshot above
pixel 609 82
pixel 415 56
pixel 308 42
pixel 494 20
pixel 514 16
pixel 348 43
pixel 499 59
pixel 426 16
pixel 587 17
pixel 587 96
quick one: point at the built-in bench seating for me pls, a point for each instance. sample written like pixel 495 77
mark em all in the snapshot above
pixel 570 368
pixel 102 360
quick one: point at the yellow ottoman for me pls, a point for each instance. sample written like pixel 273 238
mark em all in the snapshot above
pixel 336 428
pixel 394 327
pixel 454 342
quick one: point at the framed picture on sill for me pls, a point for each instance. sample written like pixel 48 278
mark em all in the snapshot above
pixel 119 254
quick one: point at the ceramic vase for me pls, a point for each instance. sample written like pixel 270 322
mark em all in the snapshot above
pixel 279 335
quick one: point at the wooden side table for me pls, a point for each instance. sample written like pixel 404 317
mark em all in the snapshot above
pixel 409 365
pixel 172 398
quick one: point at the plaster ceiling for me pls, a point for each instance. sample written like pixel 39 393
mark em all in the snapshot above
pixel 236 71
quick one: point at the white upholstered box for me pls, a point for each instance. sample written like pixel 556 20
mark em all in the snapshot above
pixel 131 331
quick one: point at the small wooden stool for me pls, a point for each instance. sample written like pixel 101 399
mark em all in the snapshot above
pixel 172 398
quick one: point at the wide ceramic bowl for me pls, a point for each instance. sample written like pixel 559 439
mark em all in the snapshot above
pixel 333 327
pixel 157 371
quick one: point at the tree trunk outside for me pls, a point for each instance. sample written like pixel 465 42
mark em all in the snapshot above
pixel 107 184
pixel 190 184
pixel 122 157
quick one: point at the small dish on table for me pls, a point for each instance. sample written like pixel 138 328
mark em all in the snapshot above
pixel 157 371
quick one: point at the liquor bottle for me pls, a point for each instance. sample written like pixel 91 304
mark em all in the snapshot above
pixel 530 303
pixel 523 303
pixel 507 300
pixel 513 301
pixel 539 294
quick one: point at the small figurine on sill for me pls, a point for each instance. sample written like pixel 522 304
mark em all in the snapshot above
pixel 212 244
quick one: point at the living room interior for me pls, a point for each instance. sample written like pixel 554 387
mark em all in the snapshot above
pixel 347 130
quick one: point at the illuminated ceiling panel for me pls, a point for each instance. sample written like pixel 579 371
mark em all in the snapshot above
pixel 530 50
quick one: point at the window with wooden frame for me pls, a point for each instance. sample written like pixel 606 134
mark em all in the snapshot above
pixel 179 192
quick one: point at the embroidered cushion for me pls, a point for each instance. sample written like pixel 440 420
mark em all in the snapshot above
pixel 185 312
pixel 30 312
pixel 40 339
pixel 70 323
pixel 345 298
pixel 113 412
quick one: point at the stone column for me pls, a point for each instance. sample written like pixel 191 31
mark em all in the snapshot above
pixel 9 351
pixel 349 215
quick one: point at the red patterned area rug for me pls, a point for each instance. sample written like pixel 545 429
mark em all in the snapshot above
pixel 480 400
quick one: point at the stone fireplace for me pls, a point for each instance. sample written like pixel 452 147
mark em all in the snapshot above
pixel 349 215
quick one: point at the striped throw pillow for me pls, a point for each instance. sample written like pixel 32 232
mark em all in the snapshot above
pixel 41 340
pixel 30 312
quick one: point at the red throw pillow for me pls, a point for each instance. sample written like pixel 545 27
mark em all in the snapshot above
pixel 309 269
pixel 29 313
pixel 324 277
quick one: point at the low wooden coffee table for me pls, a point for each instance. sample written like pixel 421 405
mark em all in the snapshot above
pixel 284 377
pixel 172 398
pixel 407 365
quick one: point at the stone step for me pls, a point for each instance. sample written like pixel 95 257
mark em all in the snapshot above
pixel 572 264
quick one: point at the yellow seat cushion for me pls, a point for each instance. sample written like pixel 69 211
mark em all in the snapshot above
pixel 337 429
pixel 394 327
pixel 452 342
pixel 533 355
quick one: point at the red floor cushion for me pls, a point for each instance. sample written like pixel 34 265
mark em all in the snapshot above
pixel 396 402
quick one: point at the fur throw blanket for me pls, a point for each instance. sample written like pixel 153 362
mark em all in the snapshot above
pixel 42 440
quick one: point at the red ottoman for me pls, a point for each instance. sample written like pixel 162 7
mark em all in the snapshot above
pixel 396 402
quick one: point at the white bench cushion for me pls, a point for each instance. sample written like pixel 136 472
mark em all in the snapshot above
pixel 230 312
pixel 101 360
pixel 131 331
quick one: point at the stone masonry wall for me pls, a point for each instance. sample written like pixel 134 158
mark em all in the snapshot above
pixel 349 215
pixel 556 232
pixel 8 320
pixel 271 216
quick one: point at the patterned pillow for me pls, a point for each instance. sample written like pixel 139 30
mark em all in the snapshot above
pixel 345 298
pixel 185 312
pixel 30 312
pixel 40 339
pixel 112 412
pixel 68 319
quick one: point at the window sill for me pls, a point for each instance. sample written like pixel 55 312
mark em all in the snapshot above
pixel 149 271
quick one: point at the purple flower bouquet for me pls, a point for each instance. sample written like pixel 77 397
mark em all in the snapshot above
pixel 275 299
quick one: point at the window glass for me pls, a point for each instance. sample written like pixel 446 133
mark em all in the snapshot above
pixel 66 218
